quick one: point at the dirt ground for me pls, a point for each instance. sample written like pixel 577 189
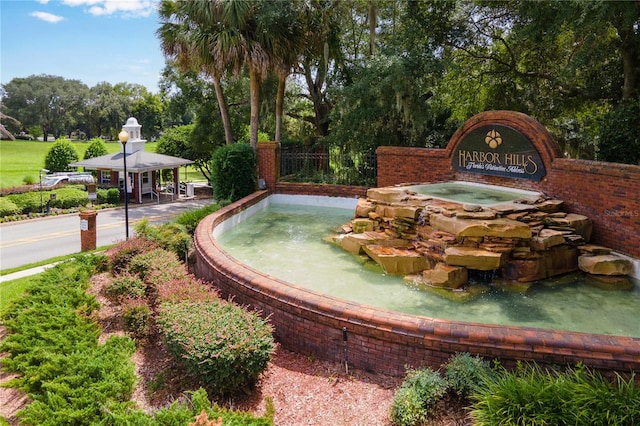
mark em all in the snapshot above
pixel 304 391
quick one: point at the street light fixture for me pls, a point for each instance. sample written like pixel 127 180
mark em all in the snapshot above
pixel 123 136
pixel 42 171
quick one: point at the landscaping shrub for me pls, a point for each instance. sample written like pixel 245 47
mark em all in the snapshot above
pixel 69 197
pixel 464 373
pixel 416 396
pixel 62 153
pixel 113 196
pixel 233 172
pixel 95 149
pixel 170 236
pixel 157 266
pixel 185 410
pixel 8 207
pixel 137 317
pixel 532 395
pixel 220 343
pixel 125 285
pixel 53 348
pixel 619 134
pixel 29 180
pixel 29 202
pixel 191 218
pixel 186 288
pixel 122 254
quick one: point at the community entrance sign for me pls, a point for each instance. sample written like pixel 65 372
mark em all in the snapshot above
pixel 498 150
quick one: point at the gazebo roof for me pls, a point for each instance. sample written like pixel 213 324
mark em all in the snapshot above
pixel 137 162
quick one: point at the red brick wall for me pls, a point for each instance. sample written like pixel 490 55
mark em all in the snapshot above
pixel 386 342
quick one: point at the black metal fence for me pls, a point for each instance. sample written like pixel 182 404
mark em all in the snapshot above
pixel 330 166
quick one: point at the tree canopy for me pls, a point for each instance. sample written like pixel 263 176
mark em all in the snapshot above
pixel 366 73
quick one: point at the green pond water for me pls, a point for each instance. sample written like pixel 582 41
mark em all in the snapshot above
pixel 286 241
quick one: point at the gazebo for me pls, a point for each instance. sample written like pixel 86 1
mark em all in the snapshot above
pixel 143 168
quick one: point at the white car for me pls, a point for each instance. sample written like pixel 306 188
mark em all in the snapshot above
pixel 50 181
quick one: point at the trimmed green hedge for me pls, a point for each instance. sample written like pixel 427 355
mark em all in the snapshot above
pixel 224 345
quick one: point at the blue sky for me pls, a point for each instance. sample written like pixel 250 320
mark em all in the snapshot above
pixel 87 40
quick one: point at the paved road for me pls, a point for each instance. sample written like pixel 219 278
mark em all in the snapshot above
pixel 36 240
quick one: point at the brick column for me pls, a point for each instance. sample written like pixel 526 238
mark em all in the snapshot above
pixel 269 163
pixel 88 230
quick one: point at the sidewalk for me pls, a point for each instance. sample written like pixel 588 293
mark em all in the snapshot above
pixel 25 273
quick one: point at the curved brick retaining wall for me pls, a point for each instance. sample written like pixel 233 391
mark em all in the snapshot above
pixel 382 341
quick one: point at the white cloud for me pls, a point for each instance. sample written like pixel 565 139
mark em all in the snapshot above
pixel 43 1
pixel 47 17
pixel 127 8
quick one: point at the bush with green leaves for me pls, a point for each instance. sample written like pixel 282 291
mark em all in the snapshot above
pixel 221 344
pixel 191 218
pixel 464 373
pixel 122 253
pixel 29 202
pixel 416 397
pixel 184 411
pixel 29 180
pixel 156 267
pixel 170 236
pixel 53 348
pixel 95 149
pixel 8 207
pixel 233 172
pixel 62 153
pixel 69 197
pixel 125 285
pixel 137 317
pixel 532 395
pixel 113 196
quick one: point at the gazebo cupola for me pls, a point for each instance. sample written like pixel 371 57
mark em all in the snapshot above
pixel 135 143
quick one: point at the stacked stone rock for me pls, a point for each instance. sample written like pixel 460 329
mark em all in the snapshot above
pixel 439 244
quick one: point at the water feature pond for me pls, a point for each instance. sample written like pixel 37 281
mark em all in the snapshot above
pixel 469 192
pixel 285 238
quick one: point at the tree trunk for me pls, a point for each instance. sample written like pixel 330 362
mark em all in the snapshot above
pixel 282 80
pixel 224 110
pixel 254 95
pixel 630 66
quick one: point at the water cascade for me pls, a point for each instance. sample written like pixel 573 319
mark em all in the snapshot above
pixel 438 244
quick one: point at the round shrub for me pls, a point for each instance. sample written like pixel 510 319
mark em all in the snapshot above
pixel 122 253
pixel 137 317
pixel 222 344
pixel 157 266
pixel 60 155
pixel 416 396
pixel 407 408
pixel 170 236
pixel 123 286
pixel 233 172
pixel 464 373
pixel 96 148
pixel 8 207
pixel 113 195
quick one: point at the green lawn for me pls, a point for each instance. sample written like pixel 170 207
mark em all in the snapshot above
pixel 20 159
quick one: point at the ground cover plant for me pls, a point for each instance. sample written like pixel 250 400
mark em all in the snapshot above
pixel 72 379
pixel 533 395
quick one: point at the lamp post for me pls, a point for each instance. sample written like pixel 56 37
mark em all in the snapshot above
pixel 123 136
pixel 42 171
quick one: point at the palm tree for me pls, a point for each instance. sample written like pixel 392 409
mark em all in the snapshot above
pixel 218 35
pixel 188 33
